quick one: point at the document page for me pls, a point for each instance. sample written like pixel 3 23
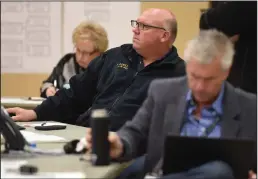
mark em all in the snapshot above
pixel 36 137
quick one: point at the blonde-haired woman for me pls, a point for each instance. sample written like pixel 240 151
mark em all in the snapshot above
pixel 90 40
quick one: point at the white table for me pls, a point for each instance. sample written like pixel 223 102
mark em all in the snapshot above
pixel 68 163
pixel 23 102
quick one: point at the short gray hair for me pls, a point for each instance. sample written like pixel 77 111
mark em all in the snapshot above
pixel 171 26
pixel 208 45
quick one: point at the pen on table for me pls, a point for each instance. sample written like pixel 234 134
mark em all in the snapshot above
pixel 32 145
pixel 35 98
pixel 28 125
pixel 43 123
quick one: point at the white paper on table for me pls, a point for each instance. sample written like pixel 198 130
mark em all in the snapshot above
pixel 36 99
pixel 7 100
pixel 10 165
pixel 150 177
pixel 36 137
pixel 67 174
pixel 40 124
pixel 46 175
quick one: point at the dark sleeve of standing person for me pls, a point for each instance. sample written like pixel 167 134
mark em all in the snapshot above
pixel 231 18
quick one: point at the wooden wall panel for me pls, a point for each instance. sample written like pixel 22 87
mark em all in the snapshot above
pixel 21 84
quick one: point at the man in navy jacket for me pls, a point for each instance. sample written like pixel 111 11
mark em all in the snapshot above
pixel 118 79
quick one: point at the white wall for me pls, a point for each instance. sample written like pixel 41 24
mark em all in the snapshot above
pixel 34 35
pixel 114 16
pixel 30 36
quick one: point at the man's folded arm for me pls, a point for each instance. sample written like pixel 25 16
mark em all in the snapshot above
pixel 68 104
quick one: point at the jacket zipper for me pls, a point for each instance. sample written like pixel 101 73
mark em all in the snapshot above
pixel 118 98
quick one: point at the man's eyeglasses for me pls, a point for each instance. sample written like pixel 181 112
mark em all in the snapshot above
pixel 141 26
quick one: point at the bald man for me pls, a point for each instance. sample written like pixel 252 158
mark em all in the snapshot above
pixel 118 79
pixel 151 42
pixel 154 33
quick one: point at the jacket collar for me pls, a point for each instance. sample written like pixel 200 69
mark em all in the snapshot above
pixel 170 58
pixel 230 118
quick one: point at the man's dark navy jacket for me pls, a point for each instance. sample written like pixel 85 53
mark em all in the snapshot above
pixel 116 81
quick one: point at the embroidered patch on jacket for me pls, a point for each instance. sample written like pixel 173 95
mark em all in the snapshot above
pixel 122 65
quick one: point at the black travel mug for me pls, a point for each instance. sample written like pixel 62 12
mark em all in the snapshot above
pixel 100 129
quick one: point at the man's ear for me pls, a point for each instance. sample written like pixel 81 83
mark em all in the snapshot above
pixel 226 73
pixel 165 36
